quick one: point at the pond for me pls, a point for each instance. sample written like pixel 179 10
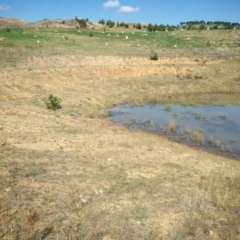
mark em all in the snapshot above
pixel 214 128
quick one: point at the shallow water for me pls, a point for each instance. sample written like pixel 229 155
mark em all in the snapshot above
pixel 213 128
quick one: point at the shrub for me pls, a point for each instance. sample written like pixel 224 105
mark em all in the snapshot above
pixel 90 34
pixel 153 56
pixel 8 29
pixel 53 102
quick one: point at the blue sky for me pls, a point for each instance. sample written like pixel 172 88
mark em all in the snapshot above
pixel 144 11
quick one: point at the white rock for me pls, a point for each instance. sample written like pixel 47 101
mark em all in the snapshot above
pixel 83 200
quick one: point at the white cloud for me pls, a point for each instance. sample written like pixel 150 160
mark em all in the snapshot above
pixel 4 7
pixel 128 9
pixel 112 3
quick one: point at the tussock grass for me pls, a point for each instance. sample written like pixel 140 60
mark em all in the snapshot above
pixel 218 193
pixel 197 137
pixel 172 126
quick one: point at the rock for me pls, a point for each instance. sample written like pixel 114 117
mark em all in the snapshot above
pixel 84 200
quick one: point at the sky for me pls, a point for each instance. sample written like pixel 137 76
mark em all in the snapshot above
pixel 143 11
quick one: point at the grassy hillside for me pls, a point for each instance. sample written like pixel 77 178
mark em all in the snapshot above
pixel 62 40
pixel 72 174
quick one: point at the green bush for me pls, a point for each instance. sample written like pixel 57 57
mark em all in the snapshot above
pixel 53 102
pixel 90 34
pixel 8 29
pixel 139 26
pixel 153 56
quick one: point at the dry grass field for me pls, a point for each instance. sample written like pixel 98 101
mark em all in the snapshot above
pixel 72 174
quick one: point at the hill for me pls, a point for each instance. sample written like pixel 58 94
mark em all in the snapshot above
pixel 13 22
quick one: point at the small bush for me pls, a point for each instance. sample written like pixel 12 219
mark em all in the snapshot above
pixel 208 44
pixel 153 56
pixel 53 102
pixel 91 34
pixel 8 29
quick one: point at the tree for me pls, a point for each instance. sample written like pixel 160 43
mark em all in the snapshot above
pixel 122 24
pixel 101 21
pixel 161 27
pixel 139 26
pixel 155 27
pixel 110 23
pixel 82 22
pixel 150 27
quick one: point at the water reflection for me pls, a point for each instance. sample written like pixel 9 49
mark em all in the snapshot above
pixel 214 128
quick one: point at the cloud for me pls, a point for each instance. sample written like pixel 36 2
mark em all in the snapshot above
pixel 4 7
pixel 128 9
pixel 112 3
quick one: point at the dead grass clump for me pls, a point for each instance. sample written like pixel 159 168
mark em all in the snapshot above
pixel 217 194
pixel 171 126
pixel 194 227
pixel 224 190
pixel 198 137
pixel 187 130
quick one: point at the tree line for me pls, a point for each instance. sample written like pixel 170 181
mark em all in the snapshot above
pixel 188 25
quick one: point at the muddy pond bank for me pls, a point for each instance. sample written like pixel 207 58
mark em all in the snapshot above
pixel 209 122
